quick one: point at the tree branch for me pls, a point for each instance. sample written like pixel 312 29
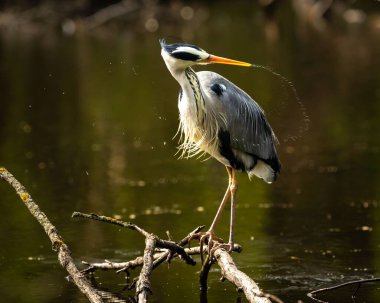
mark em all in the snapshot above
pixel 110 220
pixel 238 278
pixel 159 242
pixel 225 261
pixel 58 245
pixel 143 283
pixel 327 289
pixel 203 275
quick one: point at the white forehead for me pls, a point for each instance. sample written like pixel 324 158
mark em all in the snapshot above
pixel 201 53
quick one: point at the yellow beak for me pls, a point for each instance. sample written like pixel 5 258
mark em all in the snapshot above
pixel 221 60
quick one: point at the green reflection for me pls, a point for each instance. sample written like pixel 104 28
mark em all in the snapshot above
pixel 86 123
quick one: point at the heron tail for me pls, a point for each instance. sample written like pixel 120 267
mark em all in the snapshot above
pixel 263 171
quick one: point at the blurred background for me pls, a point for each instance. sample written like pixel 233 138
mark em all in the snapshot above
pixel 88 113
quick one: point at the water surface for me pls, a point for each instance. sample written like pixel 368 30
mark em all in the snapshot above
pixel 86 124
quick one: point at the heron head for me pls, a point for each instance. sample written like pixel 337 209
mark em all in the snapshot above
pixel 183 55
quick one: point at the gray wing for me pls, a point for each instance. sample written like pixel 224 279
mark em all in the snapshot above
pixel 247 125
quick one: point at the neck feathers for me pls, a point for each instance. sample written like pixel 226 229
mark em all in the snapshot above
pixel 199 100
pixel 198 126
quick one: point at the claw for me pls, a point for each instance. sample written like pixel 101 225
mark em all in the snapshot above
pixel 206 236
pixel 210 239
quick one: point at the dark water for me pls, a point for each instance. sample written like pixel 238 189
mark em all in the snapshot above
pixel 86 124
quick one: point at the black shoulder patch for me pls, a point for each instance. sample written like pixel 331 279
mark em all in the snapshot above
pixel 226 151
pixel 180 95
pixel 217 89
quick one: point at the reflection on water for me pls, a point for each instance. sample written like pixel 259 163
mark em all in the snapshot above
pixel 87 124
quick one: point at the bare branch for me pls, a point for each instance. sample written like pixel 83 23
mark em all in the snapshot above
pixel 170 254
pixel 175 248
pixel 117 266
pixel 327 289
pixel 228 267
pixel 58 245
pixel 143 283
pixel 238 278
pixel 159 242
pixel 203 275
pixel 110 220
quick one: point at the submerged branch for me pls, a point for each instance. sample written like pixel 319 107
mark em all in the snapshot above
pixel 358 283
pixel 203 275
pixel 58 245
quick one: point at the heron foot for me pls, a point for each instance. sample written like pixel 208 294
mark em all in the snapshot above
pixel 207 238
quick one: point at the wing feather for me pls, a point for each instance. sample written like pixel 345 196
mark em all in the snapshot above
pixel 245 120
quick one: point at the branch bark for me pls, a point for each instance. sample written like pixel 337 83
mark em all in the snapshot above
pixel 143 283
pixel 238 278
pixel 58 245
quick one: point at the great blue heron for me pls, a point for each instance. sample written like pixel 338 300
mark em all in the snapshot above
pixel 218 118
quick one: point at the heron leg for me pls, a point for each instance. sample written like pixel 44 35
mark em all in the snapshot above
pixel 231 173
pixel 209 238
pixel 233 186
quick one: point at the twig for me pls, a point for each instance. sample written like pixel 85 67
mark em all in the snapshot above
pixel 108 265
pixel 158 257
pixel 175 248
pixel 110 220
pixel 170 254
pixel 143 283
pixel 159 242
pixel 327 289
pixel 58 245
pixel 238 278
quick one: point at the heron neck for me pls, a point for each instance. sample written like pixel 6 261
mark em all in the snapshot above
pixel 191 86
